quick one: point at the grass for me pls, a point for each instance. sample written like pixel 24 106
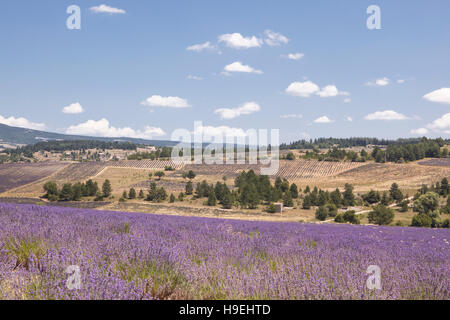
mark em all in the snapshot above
pixel 24 249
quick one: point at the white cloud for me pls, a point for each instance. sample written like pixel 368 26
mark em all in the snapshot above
pixel 443 123
pixel 21 123
pixel 302 89
pixel 239 67
pixel 323 119
pixel 200 47
pixel 103 8
pixel 349 119
pixel 379 82
pixel 308 88
pixel 331 91
pixel 401 81
pixel 245 109
pixel 168 102
pixel 74 108
pixel 386 115
pixel 192 77
pixel 420 131
pixel 291 116
pixel 237 41
pixel 102 128
pixel 274 38
pixel 347 100
pixel 223 131
pixel 440 96
pixel 295 56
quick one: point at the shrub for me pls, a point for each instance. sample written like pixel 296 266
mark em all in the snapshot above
pixel 422 220
pixel 322 213
pixel 381 215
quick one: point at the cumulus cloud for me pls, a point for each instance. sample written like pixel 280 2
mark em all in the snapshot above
pixel 238 41
pixel 167 102
pixel 291 116
pixel 441 124
pixel 440 96
pixel 224 131
pixel 245 109
pixel 323 119
pixel 295 56
pixel 308 88
pixel 103 8
pixel 102 128
pixel 274 38
pixel 239 67
pixel 200 47
pixel 382 82
pixel 420 131
pixel 386 115
pixel 74 108
pixel 21 123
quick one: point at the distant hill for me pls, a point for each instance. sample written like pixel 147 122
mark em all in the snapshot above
pixel 22 136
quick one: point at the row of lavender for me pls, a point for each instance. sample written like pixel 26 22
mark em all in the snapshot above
pixel 138 256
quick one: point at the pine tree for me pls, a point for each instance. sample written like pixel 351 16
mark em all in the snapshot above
pixel 189 188
pixel 132 193
pixel 212 200
pixel 141 194
pixel 287 199
pixel 106 188
pixel 349 197
pixel 294 191
pixel 172 198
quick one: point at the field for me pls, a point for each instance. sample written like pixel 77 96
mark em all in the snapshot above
pixel 137 256
pixel 436 162
pixel 13 175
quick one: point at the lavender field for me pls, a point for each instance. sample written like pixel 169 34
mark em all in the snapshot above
pixel 138 256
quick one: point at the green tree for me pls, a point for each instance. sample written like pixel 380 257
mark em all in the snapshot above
pixel 372 197
pixel 427 203
pixel 124 195
pixel 212 200
pixel 132 193
pixel 381 215
pixel 172 198
pixel 422 220
pixel 106 188
pixel 51 189
pixel 294 191
pixel 141 194
pixel 181 196
pixel 349 197
pixel 287 199
pixel 77 192
pixel 191 175
pixel 189 188
pixel 66 192
pixel 336 197
pixel 159 174
pixel 445 188
pixel 395 193
pixel 322 213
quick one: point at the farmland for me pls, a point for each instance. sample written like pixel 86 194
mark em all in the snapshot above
pixel 137 256
pixel 14 175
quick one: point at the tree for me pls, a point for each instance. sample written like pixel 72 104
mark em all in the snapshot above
pixel 307 189
pixel 66 193
pixel 159 174
pixel 287 199
pixel 422 220
pixel 385 199
pixel 124 195
pixel 294 191
pixel 349 197
pixel 172 198
pixel 77 192
pixel 290 156
pixel 336 197
pixel 381 215
pixel 322 213
pixel 191 175
pixel 51 189
pixel 350 217
pixel 212 200
pixel 445 188
pixel 132 193
pixel 106 188
pixel 372 197
pixel 307 203
pixel 427 203
pixel 91 188
pixel 189 188
pixel 395 193
pixel 227 201
pixel 141 194
pixel 181 196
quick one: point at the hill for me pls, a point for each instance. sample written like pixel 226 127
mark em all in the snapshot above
pixel 22 136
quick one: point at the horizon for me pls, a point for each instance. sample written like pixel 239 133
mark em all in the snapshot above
pixel 144 70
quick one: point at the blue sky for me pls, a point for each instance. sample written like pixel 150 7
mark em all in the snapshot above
pixel 131 73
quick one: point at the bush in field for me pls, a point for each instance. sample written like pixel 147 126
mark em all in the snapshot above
pixel 322 213
pixel 51 189
pixel 189 188
pixel 422 220
pixel 381 215
pixel 427 203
